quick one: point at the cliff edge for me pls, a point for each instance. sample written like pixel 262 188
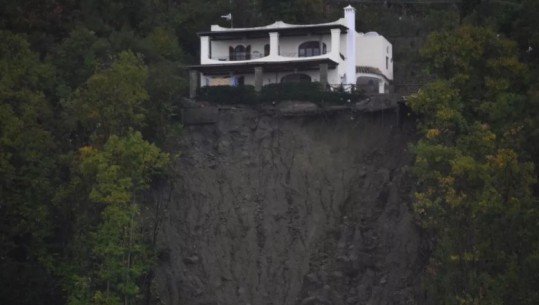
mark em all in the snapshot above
pixel 295 210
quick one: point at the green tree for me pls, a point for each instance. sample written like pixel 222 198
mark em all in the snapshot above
pixel 77 58
pixel 28 175
pixel 476 188
pixel 525 30
pixel 294 11
pixel 82 96
pixel 111 101
pixel 116 247
pixel 166 81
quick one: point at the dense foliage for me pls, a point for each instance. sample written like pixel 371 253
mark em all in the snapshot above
pixel 85 88
pixel 274 93
pixel 476 165
pixel 89 89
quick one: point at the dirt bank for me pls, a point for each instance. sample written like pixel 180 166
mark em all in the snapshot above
pixel 291 210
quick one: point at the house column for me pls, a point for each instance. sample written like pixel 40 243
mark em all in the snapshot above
pixel 336 42
pixel 258 78
pixel 274 44
pixel 204 49
pixel 381 86
pixel 350 17
pixel 324 76
pixel 193 83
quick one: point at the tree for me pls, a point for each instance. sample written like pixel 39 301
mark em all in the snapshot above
pixel 476 187
pixel 119 256
pixel 293 11
pixel 77 57
pixel 111 101
pixel 28 175
pixel 166 82
pixel 525 30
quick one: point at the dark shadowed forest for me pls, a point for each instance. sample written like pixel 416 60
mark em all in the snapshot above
pixel 89 96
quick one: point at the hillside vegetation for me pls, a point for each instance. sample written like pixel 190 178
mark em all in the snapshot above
pixel 89 92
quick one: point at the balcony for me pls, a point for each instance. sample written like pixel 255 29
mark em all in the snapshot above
pixel 237 56
pixel 242 56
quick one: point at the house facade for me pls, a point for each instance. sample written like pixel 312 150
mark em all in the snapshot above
pixel 333 54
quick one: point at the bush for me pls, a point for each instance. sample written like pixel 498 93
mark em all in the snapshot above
pixel 290 91
pixel 228 94
pixel 309 92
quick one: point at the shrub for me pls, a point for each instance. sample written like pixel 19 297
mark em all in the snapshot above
pixel 309 92
pixel 228 94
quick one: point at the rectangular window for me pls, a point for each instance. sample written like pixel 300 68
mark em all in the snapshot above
pixel 387 63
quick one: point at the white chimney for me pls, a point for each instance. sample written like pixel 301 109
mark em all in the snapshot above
pixel 350 62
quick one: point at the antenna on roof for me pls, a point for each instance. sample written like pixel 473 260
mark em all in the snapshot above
pixel 229 18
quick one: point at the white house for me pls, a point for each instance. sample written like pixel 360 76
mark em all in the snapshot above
pixel 333 54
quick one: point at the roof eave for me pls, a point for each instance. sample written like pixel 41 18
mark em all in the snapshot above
pixel 283 30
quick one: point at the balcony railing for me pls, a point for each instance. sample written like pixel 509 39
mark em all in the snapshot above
pixel 239 56
pixel 255 55
pixel 289 54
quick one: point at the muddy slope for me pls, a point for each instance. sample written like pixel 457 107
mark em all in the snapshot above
pixel 291 210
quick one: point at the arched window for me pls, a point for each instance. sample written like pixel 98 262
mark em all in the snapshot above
pixel 239 52
pixel 266 49
pixel 311 48
pixel 296 78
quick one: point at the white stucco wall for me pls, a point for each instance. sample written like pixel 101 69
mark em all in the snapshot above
pixel 351 45
pixel 372 51
pixel 288 46
pixel 341 68
pixel 220 48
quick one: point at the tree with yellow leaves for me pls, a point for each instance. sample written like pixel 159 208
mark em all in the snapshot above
pixel 475 192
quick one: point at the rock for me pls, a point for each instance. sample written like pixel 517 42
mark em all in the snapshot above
pixel 337 274
pixel 311 277
pixel 191 260
pixel 310 300
pixel 287 208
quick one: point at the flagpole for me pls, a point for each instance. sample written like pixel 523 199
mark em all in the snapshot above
pixel 229 18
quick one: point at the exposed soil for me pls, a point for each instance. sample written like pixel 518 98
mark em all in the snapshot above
pixel 291 210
